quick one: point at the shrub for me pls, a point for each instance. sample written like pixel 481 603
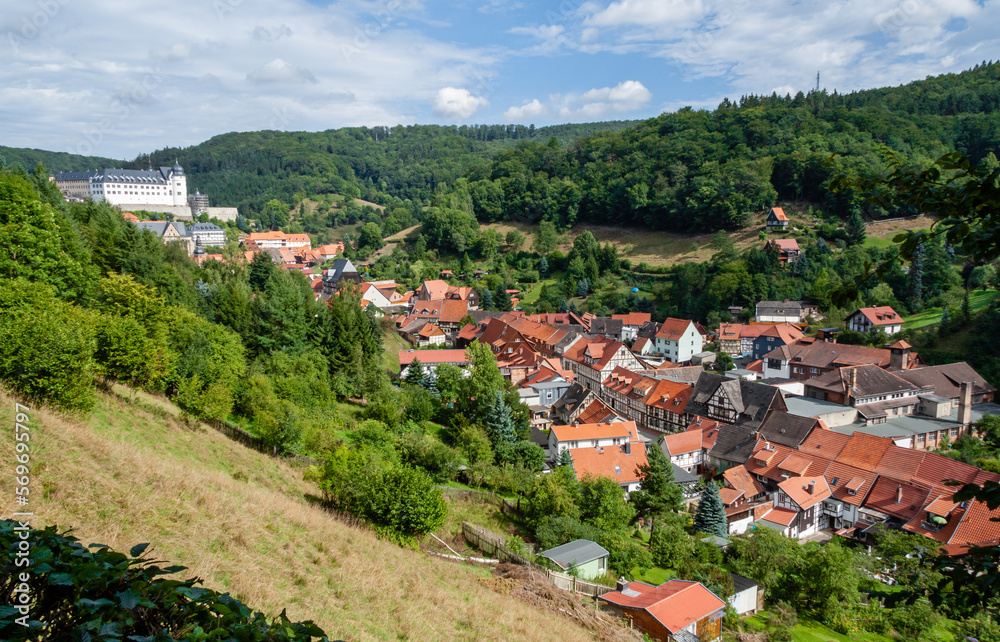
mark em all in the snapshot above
pixel 95 593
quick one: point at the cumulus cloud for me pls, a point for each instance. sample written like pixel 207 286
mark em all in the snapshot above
pixel 626 96
pixel 525 112
pixel 454 103
pixel 279 71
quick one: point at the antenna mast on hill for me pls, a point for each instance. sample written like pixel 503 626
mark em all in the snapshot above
pixel 817 82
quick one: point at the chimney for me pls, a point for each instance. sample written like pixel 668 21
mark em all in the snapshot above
pixel 899 494
pixel 621 584
pixel 965 404
pixel 627 447
pixel 854 378
pixel 811 488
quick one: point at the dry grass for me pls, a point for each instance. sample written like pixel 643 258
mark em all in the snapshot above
pixel 242 521
pixel 655 248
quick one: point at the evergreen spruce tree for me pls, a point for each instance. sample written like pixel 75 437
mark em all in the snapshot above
pixel 415 375
pixel 487 300
pixel 582 287
pixel 565 458
pixel 563 307
pixel 500 426
pixel 658 492
pixel 856 228
pixel 543 267
pixel 711 515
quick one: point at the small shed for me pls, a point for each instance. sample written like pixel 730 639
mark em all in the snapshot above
pixel 704 359
pixel 720 543
pixel 588 558
pixel 747 595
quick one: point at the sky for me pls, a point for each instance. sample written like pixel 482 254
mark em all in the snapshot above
pixel 119 78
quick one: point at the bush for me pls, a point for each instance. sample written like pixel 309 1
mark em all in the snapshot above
pixel 83 594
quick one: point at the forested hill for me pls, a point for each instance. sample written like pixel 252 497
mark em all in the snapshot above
pixel 53 161
pixel 683 171
pixel 702 170
pixel 249 169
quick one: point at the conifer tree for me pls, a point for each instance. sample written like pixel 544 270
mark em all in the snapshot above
pixel 500 424
pixel 565 458
pixel 415 375
pixel 711 515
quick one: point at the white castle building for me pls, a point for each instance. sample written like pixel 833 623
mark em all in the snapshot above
pixel 136 187
pixel 153 190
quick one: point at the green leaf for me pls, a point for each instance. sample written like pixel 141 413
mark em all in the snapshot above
pixel 60 579
pixel 128 599
pixel 138 549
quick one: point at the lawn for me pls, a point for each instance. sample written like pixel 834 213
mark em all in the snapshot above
pixel 809 631
pixel 656 576
pixel 978 301
pixel 392 343
pixel 535 292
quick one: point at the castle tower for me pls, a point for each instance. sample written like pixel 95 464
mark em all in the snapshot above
pixel 178 185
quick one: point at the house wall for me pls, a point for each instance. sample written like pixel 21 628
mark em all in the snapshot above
pixel 740 526
pixel 688 461
pixel 681 350
pixel 592 569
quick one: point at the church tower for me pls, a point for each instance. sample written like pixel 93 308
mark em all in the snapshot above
pixel 178 185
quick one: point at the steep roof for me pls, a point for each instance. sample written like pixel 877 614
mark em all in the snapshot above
pixel 734 443
pixel 849 484
pixel 897 498
pixel 781 516
pixel 681 443
pixel 673 329
pixel 787 244
pixel 864 451
pixel 751 400
pixel 453 310
pixel 822 354
pixel 778 214
pixel 675 604
pixel 862 381
pixel 739 478
pixel 436 289
pixel 786 429
pixel 597 411
pixel 806 491
pixel 633 318
pixel 824 443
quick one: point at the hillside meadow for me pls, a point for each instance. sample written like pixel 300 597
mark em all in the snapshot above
pixel 245 523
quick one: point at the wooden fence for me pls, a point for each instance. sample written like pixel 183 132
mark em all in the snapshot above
pixel 493 544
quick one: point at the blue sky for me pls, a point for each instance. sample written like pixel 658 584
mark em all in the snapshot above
pixel 117 78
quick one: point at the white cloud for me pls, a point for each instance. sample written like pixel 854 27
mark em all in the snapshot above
pixel 525 112
pixel 454 103
pixel 282 72
pixel 626 96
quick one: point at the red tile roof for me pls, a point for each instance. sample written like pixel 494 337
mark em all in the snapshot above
pixel 436 289
pixel 825 443
pixel 673 329
pixel 781 516
pixel 864 451
pixel 900 463
pixel 849 484
pixel 897 498
pixel 683 442
pixel 739 478
pixel 795 463
pixel 806 491
pixel 881 315
pixel 452 310
pixel 633 318
pixel 675 604
pixel 597 412
pixel 779 213
pixel 730 495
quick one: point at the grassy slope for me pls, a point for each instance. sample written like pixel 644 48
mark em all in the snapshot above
pixel 125 476
pixel 978 301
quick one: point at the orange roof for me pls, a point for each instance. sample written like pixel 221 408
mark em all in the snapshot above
pixel 787 244
pixel 864 451
pixel 849 484
pixel 675 604
pixel 581 432
pixel 730 331
pixel 130 217
pixel 669 395
pixel 795 463
pixel 824 443
pixel 900 463
pixel 633 318
pixel 406 357
pixel 781 516
pixel 779 213
pixel 596 412
pixel 897 498
pixel 881 315
pixel 673 329
pixel 730 495
pixel 683 442
pixel 806 491
pixel 739 478
pixel 610 461
pixel 436 289
pixel 452 310
pixel 430 330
